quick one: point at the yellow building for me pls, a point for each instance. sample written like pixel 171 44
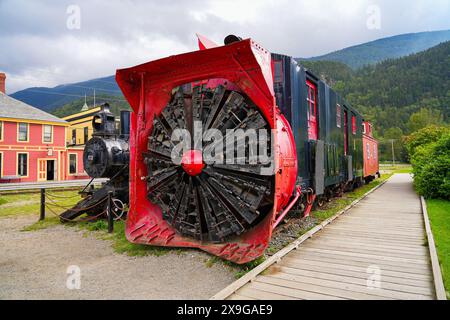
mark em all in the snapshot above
pixel 80 126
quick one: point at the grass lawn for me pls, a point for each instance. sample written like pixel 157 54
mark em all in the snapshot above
pixel 30 203
pixel 439 213
pixel 398 168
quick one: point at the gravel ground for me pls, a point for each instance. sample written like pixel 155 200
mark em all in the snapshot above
pixel 33 265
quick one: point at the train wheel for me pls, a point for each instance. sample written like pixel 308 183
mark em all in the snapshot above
pixel 321 201
pixel 208 200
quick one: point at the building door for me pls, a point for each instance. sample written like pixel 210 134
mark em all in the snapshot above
pixel 50 170
pixel 42 169
pixel 313 130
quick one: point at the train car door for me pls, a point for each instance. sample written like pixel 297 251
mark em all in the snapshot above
pixel 313 131
pixel 345 132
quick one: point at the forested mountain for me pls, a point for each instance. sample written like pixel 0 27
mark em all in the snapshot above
pixel 395 86
pixel 386 48
pixel 399 96
pixel 332 72
pixel 49 99
pixel 116 103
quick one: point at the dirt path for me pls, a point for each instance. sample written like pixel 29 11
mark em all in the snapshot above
pixel 33 265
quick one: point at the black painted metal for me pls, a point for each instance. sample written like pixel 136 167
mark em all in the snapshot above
pixel 225 199
pixel 106 155
pixel 42 211
pixel 291 95
pixel 109 212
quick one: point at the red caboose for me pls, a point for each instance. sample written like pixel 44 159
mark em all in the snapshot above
pixel 370 147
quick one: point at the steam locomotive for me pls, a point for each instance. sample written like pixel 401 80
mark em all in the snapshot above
pixel 190 185
pixel 106 155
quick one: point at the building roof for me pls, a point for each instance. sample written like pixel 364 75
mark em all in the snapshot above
pixel 15 109
pixel 82 114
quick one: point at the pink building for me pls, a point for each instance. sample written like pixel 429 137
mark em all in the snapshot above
pixel 33 144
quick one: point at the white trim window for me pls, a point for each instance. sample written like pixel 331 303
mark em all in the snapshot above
pixel 23 132
pixel 47 133
pixel 22 164
pixel 73 163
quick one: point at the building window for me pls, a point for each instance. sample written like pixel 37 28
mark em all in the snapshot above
pixel 86 134
pixel 23 132
pixel 74 136
pixel 73 159
pixel 48 133
pixel 22 164
pixel 1 164
pixel 338 116
pixel 278 71
pixel 1 130
pixel 368 150
pixel 353 124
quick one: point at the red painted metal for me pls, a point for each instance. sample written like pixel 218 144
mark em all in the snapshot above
pixel 204 43
pixel 288 208
pixel 192 162
pixel 370 152
pixel 148 88
pixel 311 197
pixel 313 130
pixel 353 124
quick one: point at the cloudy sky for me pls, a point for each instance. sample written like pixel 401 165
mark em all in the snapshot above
pixel 43 43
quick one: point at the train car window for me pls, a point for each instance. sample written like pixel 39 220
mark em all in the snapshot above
pixel 368 150
pixel 353 124
pixel 364 128
pixel 338 116
pixel 312 111
pixel 278 71
pixel 375 151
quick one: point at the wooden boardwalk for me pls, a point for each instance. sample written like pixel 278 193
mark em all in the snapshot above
pixel 376 250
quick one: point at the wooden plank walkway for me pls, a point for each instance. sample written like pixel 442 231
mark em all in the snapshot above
pixel 376 250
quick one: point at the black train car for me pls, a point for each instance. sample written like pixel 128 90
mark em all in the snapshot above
pixel 327 130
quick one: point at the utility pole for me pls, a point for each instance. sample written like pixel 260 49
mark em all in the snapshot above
pixel 393 154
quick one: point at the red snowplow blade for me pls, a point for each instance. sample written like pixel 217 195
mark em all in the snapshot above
pixel 148 88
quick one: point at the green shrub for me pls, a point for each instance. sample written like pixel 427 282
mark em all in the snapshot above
pixel 431 168
pixel 423 137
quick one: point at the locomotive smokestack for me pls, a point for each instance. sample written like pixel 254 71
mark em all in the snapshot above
pixel 231 39
pixel 125 123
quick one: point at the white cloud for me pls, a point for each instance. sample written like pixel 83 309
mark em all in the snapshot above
pixel 37 49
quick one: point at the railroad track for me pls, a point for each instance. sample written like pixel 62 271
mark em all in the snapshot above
pixel 373 249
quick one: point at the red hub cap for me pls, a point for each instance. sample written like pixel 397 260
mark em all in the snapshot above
pixel 192 162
